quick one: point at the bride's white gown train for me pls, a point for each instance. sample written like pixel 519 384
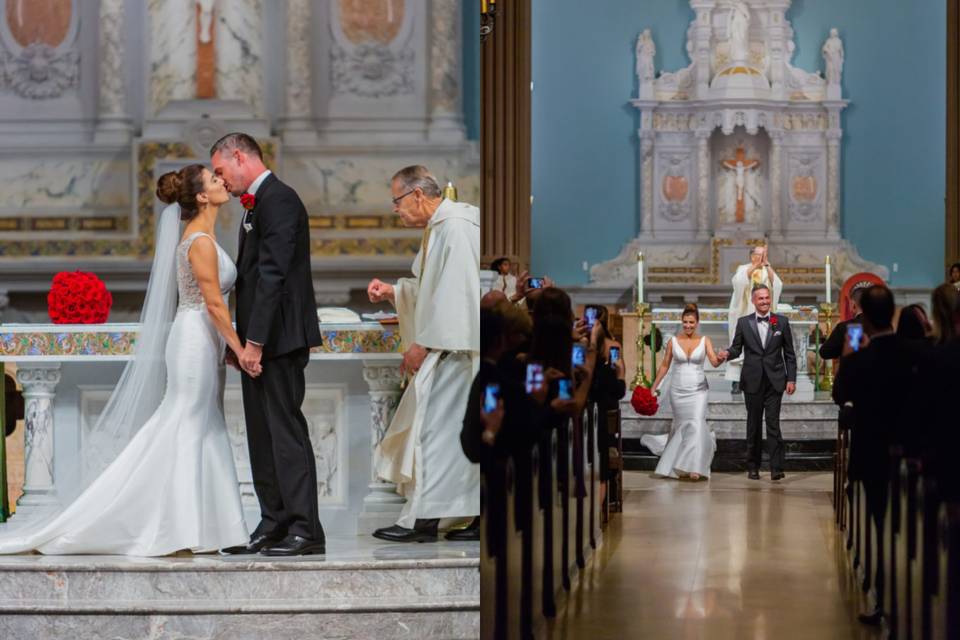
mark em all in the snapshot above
pixel 174 486
pixel 690 445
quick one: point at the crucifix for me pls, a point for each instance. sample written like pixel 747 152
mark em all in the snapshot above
pixel 206 54
pixel 740 164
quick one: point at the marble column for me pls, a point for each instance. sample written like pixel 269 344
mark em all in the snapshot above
pixel 296 124
pixel 382 504
pixel 702 35
pixel 39 383
pixel 646 182
pixel 703 184
pixel 113 118
pixel 776 190
pixel 446 35
pixel 833 185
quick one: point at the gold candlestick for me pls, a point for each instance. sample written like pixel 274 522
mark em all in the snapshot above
pixel 643 312
pixel 825 315
pixel 450 192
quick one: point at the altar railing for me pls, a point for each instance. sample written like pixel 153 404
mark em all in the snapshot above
pixel 66 372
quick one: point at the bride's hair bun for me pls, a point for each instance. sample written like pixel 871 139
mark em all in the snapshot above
pixel 182 187
pixel 168 187
pixel 690 309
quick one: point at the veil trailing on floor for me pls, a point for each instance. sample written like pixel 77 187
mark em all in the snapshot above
pixel 143 383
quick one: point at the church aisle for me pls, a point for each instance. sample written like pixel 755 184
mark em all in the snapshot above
pixel 728 559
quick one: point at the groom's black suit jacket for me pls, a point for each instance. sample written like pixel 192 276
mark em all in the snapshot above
pixel 276 306
pixel 777 359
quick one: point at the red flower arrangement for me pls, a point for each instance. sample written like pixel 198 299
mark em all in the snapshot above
pixel 643 401
pixel 78 298
pixel 248 201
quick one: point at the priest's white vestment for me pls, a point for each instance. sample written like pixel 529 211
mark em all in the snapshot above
pixel 741 305
pixel 439 308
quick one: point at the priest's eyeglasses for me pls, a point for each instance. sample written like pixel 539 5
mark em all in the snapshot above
pixel 397 200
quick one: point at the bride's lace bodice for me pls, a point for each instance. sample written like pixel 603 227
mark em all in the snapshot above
pixel 187 286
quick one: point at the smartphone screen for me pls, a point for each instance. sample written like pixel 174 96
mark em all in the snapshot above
pixel 854 333
pixel 534 377
pixel 534 283
pixel 579 355
pixel 490 397
pixel 614 355
pixel 590 316
pixel 563 389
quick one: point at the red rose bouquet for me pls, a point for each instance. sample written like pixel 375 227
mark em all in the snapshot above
pixel 78 298
pixel 643 401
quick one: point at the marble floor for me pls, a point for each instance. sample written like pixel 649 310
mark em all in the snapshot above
pixel 727 559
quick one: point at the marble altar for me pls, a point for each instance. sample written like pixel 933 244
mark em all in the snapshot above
pixel 67 373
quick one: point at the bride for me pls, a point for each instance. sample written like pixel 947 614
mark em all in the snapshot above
pixel 159 457
pixel 687 451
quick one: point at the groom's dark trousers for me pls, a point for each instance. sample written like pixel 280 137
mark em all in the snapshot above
pixel 276 308
pixel 765 403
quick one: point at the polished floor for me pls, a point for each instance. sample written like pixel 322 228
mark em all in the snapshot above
pixel 727 559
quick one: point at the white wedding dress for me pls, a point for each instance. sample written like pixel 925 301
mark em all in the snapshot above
pixel 174 486
pixel 690 445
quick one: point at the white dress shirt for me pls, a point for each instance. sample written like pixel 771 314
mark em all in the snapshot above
pixel 252 189
pixel 763 328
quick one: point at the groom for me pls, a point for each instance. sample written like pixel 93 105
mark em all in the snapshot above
pixel 769 368
pixel 277 320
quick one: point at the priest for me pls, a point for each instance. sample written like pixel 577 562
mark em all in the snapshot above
pixel 439 310
pixel 747 278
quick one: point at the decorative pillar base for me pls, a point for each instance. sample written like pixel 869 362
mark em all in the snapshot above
pixel 382 505
pixel 39 383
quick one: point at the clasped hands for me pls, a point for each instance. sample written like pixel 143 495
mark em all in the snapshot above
pixel 248 360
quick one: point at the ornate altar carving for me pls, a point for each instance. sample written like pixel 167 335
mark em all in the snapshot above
pixel 737 146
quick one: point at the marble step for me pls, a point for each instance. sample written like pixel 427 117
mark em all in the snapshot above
pixel 799 420
pixel 362 589
pixel 196 582
pixel 287 625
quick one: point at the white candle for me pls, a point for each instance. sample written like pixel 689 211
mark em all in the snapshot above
pixel 828 280
pixel 640 277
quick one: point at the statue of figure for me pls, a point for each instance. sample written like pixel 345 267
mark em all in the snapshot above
pixel 206 19
pixel 739 27
pixel 833 57
pixel 646 50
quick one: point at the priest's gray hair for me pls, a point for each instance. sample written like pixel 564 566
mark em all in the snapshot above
pixel 418 176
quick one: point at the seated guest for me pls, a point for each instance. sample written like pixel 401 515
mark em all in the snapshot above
pixel 913 323
pixel 833 347
pixel 873 381
pixel 609 386
pixel 506 281
pixel 942 305
pixel 954 275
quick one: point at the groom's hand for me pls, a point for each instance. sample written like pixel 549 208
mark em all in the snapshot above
pixel 250 359
pixel 791 388
pixel 378 291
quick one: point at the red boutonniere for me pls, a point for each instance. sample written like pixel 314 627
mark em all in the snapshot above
pixel 248 200
pixel 773 320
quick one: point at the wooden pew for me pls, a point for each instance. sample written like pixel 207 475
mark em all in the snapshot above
pixel 564 492
pixel 945 607
pixel 614 500
pixel 514 555
pixel 549 498
pixel 891 537
pixel 924 566
pixel 907 546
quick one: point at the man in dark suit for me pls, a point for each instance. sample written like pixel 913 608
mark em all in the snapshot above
pixel 277 320
pixel 832 347
pixel 874 380
pixel 769 369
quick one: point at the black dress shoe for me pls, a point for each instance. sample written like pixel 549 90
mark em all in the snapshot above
pixel 753 474
pixel 470 533
pixel 294 545
pixel 874 618
pixel 777 475
pixel 423 531
pixel 257 542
